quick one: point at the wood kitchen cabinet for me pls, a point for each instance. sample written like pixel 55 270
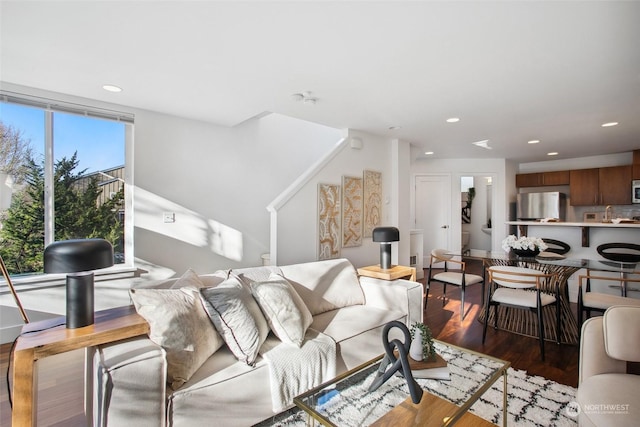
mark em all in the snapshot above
pixel 636 171
pixel 541 179
pixel 615 185
pixel 556 178
pixel 601 186
pixel 529 180
pixel 583 187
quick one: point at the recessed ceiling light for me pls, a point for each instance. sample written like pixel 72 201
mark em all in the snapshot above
pixel 553 153
pixel 428 153
pixel 112 88
pixel 533 141
pixel 453 120
pixel 607 125
pixel 395 127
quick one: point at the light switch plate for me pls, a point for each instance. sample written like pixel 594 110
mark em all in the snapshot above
pixel 169 217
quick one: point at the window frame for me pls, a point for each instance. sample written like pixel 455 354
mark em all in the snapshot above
pixel 49 107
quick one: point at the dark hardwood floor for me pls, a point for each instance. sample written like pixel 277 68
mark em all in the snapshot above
pixel 60 379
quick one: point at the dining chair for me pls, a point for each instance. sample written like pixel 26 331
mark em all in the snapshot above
pixel 589 300
pixel 521 287
pixel 457 277
pixel 556 246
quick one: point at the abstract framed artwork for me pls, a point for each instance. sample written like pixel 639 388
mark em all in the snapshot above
pixel 328 221
pixel 352 192
pixel 372 201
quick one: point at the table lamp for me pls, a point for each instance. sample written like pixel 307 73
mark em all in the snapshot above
pixel 79 257
pixel 385 235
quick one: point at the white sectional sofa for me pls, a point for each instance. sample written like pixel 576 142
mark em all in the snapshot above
pixel 133 385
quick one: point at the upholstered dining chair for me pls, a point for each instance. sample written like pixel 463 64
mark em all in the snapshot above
pixel 457 276
pixel 521 287
pixel 600 301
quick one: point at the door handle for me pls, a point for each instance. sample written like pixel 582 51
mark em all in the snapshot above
pixel 444 226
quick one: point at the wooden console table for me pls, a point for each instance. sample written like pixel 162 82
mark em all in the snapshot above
pixel 49 337
pixel 393 273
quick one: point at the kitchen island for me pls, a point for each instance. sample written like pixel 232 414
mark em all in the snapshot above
pixel 584 239
pixel 585 228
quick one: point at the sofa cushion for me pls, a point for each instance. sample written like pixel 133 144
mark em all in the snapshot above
pixel 347 322
pixel 237 317
pixel 285 311
pixel 325 285
pixel 179 324
pixel 223 392
pixel 620 341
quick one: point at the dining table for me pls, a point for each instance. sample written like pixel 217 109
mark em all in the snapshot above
pixel 524 322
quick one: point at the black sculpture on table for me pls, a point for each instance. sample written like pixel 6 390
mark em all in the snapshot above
pixel 398 364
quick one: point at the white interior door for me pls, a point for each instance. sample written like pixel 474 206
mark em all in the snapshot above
pixel 433 211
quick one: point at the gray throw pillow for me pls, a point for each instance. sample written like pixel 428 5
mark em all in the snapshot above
pixel 237 317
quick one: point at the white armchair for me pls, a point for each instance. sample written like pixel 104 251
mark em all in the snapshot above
pixel 607 394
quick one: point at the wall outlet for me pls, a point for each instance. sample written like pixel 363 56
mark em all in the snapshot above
pixel 169 217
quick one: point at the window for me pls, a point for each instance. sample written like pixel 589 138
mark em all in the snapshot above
pixel 62 176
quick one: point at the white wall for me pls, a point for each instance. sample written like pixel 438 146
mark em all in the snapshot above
pixel 297 219
pixel 497 168
pixel 219 181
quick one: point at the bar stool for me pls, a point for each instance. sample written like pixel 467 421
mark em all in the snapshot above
pixel 620 252
pixel 556 246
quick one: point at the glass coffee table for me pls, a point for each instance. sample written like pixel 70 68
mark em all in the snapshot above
pixel 346 400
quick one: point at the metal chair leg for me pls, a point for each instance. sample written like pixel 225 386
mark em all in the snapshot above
pixel 462 302
pixel 444 293
pixel 540 329
pixel 558 321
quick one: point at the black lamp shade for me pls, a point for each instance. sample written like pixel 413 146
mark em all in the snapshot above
pixel 71 256
pixel 385 235
pixel 79 257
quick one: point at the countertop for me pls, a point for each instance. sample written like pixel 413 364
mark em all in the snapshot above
pixel 635 224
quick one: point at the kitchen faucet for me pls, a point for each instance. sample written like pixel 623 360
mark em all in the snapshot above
pixel 607 213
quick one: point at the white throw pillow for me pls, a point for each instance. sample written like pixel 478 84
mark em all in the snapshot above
pixel 325 285
pixel 237 317
pixel 179 324
pixel 288 316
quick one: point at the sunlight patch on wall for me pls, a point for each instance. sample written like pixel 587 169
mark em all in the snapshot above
pixel 188 227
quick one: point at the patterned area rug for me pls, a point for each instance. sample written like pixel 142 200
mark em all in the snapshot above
pixel 532 400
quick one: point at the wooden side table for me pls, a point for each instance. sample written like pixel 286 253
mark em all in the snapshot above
pixel 50 337
pixel 393 273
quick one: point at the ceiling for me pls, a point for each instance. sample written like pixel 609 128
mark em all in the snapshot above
pixel 511 71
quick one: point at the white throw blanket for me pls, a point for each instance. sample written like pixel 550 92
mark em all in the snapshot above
pixel 294 370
